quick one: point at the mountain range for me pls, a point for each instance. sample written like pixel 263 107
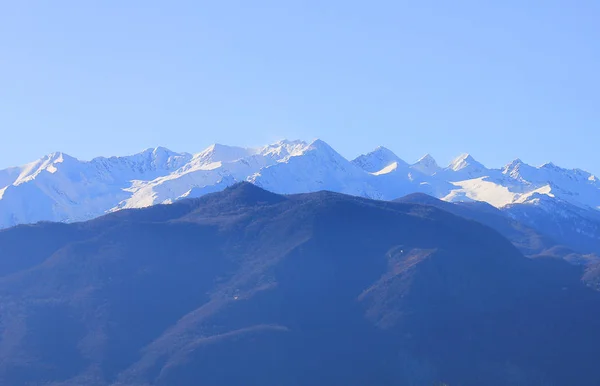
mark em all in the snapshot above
pixel 560 203
pixel 249 287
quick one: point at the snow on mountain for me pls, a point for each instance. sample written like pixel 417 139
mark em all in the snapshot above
pixel 465 167
pixel 379 174
pixel 378 160
pixel 398 178
pixel 426 165
pixel 176 185
pixel 575 186
pixel 283 149
pixel 316 167
pixel 387 169
pixel 519 183
pixel 480 189
pixel 218 165
pixel 58 187
pixel 214 156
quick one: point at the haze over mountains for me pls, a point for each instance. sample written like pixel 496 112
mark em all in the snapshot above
pixel 561 203
pixel 247 287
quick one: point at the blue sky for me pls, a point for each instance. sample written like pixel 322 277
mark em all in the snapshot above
pixel 499 80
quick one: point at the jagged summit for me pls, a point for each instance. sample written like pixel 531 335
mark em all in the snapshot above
pixel 377 160
pixel 463 161
pixel 426 165
pixel 514 163
pixel 48 164
pixel 383 150
pixel 221 153
pixel 58 187
pixel 465 167
pixel 57 156
pixel 283 148
pixel 518 170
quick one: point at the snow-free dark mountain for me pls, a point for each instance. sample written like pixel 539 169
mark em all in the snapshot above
pixel 528 239
pixel 247 287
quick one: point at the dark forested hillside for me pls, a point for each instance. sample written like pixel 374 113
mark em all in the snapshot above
pixel 530 240
pixel 245 287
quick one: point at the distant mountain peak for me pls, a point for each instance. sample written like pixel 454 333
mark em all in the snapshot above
pixel 157 150
pixel 58 157
pixel 427 159
pixel 515 162
pixel 160 153
pixel 284 148
pixel 513 169
pixel 383 149
pixel 320 144
pixel 378 160
pixel 323 152
pixel 317 147
pixel 291 142
pixel 31 170
pixel 219 148
pixel 426 165
pixel 462 161
pixel 221 153
pixel 548 165
pixel 67 189
pixel 385 153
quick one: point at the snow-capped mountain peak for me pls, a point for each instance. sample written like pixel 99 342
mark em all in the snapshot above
pixel 426 165
pixel 316 167
pixel 148 164
pixel 59 187
pixel 221 153
pixel 514 163
pixel 47 164
pixel 321 150
pixel 283 149
pixel 321 145
pixel 515 168
pixel 160 154
pixel 378 160
pixel 464 167
pixel 463 161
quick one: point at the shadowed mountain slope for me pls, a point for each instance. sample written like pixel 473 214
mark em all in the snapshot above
pixel 246 287
pixel 530 241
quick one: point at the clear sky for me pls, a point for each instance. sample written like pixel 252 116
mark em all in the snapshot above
pixel 497 79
